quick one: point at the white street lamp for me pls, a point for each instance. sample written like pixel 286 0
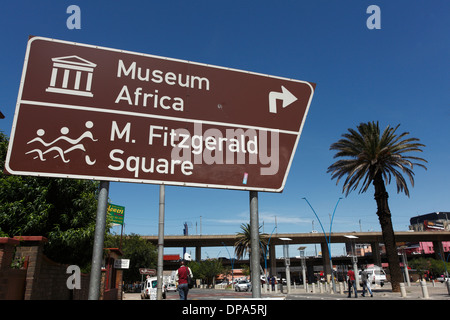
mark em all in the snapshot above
pixel 287 262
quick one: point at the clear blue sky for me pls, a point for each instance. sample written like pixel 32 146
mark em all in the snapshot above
pixel 397 74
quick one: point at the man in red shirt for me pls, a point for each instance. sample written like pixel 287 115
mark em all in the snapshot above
pixel 182 279
pixel 351 283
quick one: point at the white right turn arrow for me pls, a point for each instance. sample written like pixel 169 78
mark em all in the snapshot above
pixel 284 95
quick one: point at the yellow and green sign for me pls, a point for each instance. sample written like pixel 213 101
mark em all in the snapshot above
pixel 116 213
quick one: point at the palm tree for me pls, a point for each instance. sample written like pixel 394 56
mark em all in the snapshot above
pixel 243 242
pixel 372 157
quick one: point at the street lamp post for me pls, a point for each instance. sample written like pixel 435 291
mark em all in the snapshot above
pixel 265 257
pixel 287 262
pixel 265 265
pixel 302 258
pixel 232 264
pixel 354 259
pixel 327 240
pixel 405 266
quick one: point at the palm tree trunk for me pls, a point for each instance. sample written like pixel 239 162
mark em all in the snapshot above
pixel 384 216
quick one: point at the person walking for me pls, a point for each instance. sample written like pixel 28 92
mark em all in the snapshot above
pixel 272 282
pixel 351 283
pixel 365 282
pixel 181 277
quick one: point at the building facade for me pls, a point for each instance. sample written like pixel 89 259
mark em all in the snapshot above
pixel 435 221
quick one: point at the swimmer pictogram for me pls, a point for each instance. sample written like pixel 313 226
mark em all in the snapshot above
pixel 50 148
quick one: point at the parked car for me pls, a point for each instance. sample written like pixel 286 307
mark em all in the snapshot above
pixel 442 278
pixel 236 280
pixel 148 288
pixel 243 285
pixel 171 287
pixel 263 279
pixel 375 275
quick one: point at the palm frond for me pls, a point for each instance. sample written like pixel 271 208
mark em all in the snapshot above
pixel 242 246
pixel 366 151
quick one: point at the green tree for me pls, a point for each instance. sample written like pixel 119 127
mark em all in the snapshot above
pixel 242 245
pixel 374 157
pixel 142 254
pixel 439 267
pixel 436 267
pixel 207 270
pixel 245 270
pixel 62 210
pixel 421 265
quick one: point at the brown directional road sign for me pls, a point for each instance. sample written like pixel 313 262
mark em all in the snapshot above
pixel 90 112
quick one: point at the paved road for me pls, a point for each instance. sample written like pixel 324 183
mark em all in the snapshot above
pixel 414 292
pixel 437 292
pixel 220 304
pixel 199 294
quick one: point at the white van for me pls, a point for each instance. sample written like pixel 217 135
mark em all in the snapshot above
pixel 148 289
pixel 376 275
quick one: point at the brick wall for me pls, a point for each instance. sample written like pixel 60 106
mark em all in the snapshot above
pixel 12 281
pixel 42 278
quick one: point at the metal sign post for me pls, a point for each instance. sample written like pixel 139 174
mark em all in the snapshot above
pixel 97 254
pixel 254 240
pixel 159 273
